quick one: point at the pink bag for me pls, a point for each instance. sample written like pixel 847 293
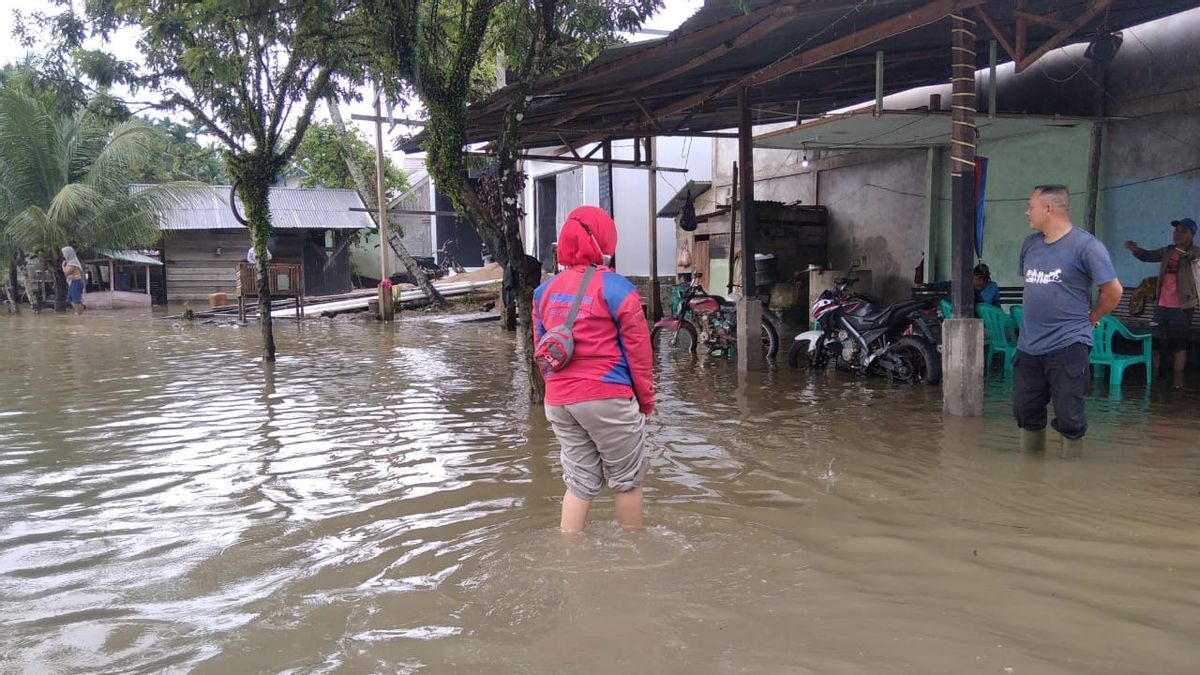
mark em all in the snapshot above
pixel 556 347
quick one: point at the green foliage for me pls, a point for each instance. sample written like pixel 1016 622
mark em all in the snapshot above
pixel 64 180
pixel 179 156
pixel 322 156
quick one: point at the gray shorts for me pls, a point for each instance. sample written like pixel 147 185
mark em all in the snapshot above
pixel 599 439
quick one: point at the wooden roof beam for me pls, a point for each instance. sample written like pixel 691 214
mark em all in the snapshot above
pixel 1021 33
pixel 1095 7
pixel 1001 38
pixel 708 32
pixel 863 37
pixel 778 19
pixel 1030 17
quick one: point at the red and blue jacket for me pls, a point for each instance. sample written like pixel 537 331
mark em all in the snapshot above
pixel 612 357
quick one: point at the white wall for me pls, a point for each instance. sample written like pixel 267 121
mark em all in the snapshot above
pixel 631 198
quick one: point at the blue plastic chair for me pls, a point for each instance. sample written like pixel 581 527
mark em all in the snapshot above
pixel 1001 336
pixel 1103 354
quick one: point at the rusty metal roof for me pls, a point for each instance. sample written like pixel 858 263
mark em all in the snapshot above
pixel 805 57
pixel 291 208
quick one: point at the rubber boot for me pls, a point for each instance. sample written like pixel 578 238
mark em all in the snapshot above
pixel 1072 447
pixel 1033 440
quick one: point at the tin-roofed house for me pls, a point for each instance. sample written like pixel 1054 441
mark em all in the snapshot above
pixel 203 243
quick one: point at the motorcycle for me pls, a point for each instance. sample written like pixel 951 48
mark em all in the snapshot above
pixel 698 318
pixel 900 342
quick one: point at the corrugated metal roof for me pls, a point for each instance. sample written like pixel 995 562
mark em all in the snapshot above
pixel 688 82
pixel 129 256
pixel 291 208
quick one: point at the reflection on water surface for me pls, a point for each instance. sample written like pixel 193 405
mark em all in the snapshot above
pixel 385 501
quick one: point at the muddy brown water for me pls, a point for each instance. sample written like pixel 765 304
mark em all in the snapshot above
pixel 387 502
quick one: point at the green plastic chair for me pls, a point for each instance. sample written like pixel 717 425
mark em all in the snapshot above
pixel 1017 312
pixel 1001 336
pixel 1103 354
pixel 944 305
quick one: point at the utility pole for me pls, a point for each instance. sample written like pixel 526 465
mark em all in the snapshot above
pixel 387 303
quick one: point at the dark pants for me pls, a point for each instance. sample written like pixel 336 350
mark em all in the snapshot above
pixel 1060 376
pixel 1171 329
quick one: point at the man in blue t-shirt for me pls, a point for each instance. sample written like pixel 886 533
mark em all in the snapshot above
pixel 1060 265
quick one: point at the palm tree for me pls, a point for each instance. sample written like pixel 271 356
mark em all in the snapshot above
pixel 64 180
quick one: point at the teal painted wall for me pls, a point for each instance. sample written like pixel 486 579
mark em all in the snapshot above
pixel 1016 165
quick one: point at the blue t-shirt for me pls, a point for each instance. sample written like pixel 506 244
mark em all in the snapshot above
pixel 1058 288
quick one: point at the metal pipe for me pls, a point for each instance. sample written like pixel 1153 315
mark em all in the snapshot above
pixel 992 57
pixel 878 83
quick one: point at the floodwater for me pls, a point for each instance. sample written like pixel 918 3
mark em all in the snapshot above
pixel 387 502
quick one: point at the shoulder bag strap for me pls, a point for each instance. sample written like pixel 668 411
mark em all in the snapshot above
pixel 587 276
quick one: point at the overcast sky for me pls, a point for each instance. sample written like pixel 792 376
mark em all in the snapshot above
pixel 669 18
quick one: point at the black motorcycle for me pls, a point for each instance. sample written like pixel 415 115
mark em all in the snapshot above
pixel 900 342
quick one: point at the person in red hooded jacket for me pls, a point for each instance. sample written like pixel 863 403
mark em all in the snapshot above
pixel 598 403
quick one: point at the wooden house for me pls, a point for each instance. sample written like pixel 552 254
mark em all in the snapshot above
pixel 202 243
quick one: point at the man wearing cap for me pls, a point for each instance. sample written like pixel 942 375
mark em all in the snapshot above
pixel 1177 292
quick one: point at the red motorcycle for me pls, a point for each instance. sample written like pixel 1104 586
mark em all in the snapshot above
pixel 698 318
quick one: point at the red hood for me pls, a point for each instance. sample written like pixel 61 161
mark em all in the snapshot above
pixel 576 246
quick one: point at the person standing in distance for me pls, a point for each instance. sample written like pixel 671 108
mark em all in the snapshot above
pixel 1060 264
pixel 73 271
pixel 597 404
pixel 1177 292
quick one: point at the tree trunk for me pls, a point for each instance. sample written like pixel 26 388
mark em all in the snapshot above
pixel 30 294
pixel 60 285
pixel 10 288
pixel 254 189
pixel 371 200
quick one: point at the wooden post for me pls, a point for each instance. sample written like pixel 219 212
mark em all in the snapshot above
pixel 652 186
pixel 749 309
pixel 962 165
pixel 733 208
pixel 746 178
pixel 148 286
pixel 387 304
pixel 112 284
pixel 1095 149
pixel 962 344
pixel 605 175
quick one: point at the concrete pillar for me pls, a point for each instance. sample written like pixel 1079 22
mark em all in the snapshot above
pixel 749 334
pixel 962 367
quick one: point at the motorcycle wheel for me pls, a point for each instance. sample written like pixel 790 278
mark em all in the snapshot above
pixel 798 353
pixel 770 339
pixel 922 358
pixel 683 340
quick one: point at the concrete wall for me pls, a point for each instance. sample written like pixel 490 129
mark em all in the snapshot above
pixel 1150 176
pixel 878 213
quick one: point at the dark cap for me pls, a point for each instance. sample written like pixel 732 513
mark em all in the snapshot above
pixel 1185 222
